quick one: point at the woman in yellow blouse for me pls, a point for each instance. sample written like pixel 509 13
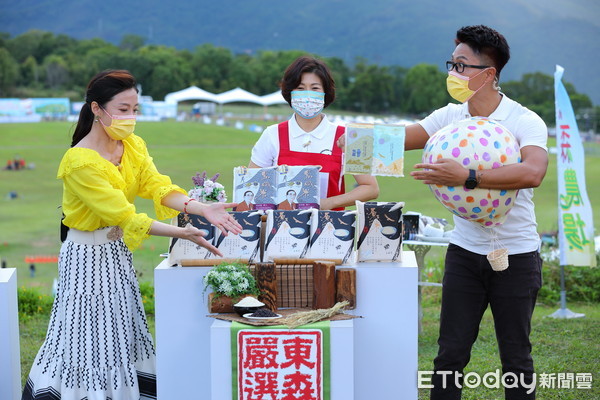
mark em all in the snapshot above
pixel 98 345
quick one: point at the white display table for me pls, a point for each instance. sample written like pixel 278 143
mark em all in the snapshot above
pixel 385 339
pixel 10 362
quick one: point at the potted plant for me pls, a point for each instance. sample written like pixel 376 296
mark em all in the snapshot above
pixel 207 190
pixel 230 282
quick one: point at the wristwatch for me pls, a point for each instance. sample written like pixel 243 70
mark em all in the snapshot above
pixel 471 182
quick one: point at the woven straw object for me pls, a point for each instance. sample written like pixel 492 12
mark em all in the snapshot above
pixel 498 259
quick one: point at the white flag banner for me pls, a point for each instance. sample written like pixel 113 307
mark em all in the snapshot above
pixel 575 222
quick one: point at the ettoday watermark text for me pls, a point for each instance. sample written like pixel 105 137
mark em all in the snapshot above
pixel 495 380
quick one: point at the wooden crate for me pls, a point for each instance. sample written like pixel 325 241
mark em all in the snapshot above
pixel 294 285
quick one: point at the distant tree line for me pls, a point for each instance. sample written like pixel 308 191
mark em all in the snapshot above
pixel 42 64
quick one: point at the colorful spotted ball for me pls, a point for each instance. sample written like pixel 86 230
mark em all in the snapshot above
pixel 476 143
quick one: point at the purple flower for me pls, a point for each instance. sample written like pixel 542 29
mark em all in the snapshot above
pixel 207 190
pixel 200 179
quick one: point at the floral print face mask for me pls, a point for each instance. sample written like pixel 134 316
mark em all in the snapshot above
pixel 308 103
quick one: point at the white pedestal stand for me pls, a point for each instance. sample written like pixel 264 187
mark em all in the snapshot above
pixel 385 340
pixel 10 361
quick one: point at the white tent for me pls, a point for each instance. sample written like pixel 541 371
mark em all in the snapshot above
pixel 191 93
pixel 273 98
pixel 237 95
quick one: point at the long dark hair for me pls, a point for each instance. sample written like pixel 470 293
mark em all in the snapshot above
pixel 101 89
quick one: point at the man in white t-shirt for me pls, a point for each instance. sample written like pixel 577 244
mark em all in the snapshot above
pixel 469 283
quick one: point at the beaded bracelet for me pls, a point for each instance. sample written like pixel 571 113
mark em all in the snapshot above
pixel 186 204
pixel 479 177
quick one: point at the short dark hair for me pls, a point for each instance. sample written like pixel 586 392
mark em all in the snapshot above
pixel 248 191
pixel 293 76
pixel 484 40
pixel 291 190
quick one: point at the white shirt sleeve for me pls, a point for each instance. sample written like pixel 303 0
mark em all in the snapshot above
pixel 441 118
pixel 531 131
pixel 266 150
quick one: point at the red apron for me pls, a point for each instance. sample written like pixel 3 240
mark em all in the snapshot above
pixel 332 164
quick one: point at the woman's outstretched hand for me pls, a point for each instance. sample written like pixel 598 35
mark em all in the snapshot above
pixel 195 235
pixel 216 214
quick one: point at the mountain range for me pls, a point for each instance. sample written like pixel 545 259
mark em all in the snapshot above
pixel 541 33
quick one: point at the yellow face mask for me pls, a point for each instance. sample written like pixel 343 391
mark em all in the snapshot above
pixel 120 127
pixel 458 86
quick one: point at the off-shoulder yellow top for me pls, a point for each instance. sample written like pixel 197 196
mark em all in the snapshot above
pixel 97 193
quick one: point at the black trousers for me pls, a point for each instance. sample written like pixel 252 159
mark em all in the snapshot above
pixel 469 286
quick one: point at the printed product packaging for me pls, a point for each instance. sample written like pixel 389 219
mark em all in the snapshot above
pixel 411 226
pixel 374 149
pixel 287 234
pixel 332 236
pixel 298 187
pixel 181 249
pixel 246 245
pixel 255 188
pixel 358 157
pixel 379 231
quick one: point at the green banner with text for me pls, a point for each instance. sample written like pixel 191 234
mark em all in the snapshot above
pixel 275 362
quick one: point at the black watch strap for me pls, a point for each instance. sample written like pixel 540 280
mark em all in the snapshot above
pixel 471 182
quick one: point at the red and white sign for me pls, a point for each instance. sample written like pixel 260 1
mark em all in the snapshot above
pixel 280 364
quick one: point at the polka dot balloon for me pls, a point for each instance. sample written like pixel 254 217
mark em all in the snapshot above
pixel 476 143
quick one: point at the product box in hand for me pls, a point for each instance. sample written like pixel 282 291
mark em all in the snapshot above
pixel 287 234
pixel 332 236
pixel 246 245
pixel 379 231
pixel 388 150
pixel 255 188
pixel 298 187
pixel 358 157
pixel 181 249
pixel 374 149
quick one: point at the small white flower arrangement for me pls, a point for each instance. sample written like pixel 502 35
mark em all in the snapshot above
pixel 207 190
pixel 232 280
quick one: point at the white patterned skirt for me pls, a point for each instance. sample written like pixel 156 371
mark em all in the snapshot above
pixel 98 346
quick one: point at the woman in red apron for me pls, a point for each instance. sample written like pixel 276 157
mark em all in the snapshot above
pixel 309 138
